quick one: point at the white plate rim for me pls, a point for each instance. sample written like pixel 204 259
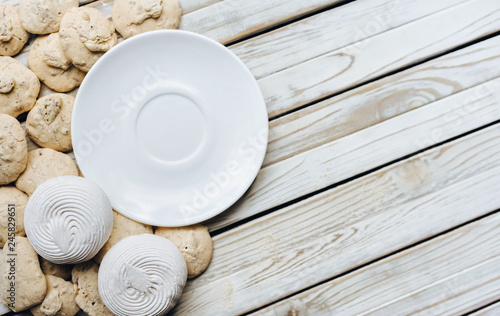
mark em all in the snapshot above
pixel 262 153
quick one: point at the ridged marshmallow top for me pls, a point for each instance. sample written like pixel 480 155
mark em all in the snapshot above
pixel 142 275
pixel 68 219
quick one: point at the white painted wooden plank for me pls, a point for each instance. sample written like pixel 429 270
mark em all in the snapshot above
pixel 456 295
pixel 378 101
pixel 350 225
pixel 329 31
pixel 381 100
pixel 492 310
pixel 364 150
pixel 363 18
pixel 187 5
pixel 344 68
pixel 357 19
pixel 193 5
pixel 373 194
pixel 451 275
pixel 229 20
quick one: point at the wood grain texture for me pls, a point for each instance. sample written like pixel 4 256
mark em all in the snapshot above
pixel 187 5
pixel 359 152
pixel 350 66
pixel 377 17
pixel 381 100
pixel 347 226
pixel 492 310
pixel 449 275
pixel 230 20
pixel 330 30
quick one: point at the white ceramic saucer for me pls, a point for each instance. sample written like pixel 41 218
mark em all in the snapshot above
pixel 172 126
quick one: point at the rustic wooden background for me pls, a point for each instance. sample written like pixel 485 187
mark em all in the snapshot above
pixel 381 184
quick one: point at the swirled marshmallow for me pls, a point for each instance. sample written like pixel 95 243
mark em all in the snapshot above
pixel 68 219
pixel 142 275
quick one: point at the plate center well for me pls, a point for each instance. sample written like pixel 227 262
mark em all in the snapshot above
pixel 171 128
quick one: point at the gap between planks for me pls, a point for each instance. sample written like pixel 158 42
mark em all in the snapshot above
pixel 449 97
pixel 434 277
pixel 270 202
pixel 349 225
pixel 421 13
pixel 490 310
pixel 187 5
pixel 378 103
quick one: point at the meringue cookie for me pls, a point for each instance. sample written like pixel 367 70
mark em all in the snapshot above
pixel 59 300
pixel 84 277
pixel 195 244
pixel 30 287
pixel 62 271
pixel 142 275
pixel 19 87
pixel 122 228
pixel 12 34
pixel 42 16
pixel 86 34
pixel 134 17
pixel 68 219
pixel 44 164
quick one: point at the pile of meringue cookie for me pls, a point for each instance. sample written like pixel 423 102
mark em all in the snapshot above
pixel 78 252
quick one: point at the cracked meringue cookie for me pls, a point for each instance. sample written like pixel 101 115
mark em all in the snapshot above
pixel 59 299
pixel 30 287
pixel 13 202
pixel 68 219
pixel 132 17
pixel 44 164
pixel 48 62
pixel 44 16
pixel 62 271
pixel 122 227
pixel 12 34
pixel 19 87
pixel 49 122
pixel 195 244
pixel 86 34
pixel 84 276
pixel 13 149
pixel 142 275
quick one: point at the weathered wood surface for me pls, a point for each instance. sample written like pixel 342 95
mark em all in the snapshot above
pixel 294 86
pixel 187 5
pixel 330 124
pixel 231 20
pixel 381 100
pixel 493 310
pixel 331 30
pixel 348 226
pixel 350 66
pixel 317 239
pixel 364 150
pixel 449 275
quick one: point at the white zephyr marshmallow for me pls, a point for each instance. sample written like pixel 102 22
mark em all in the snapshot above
pixel 142 275
pixel 68 219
